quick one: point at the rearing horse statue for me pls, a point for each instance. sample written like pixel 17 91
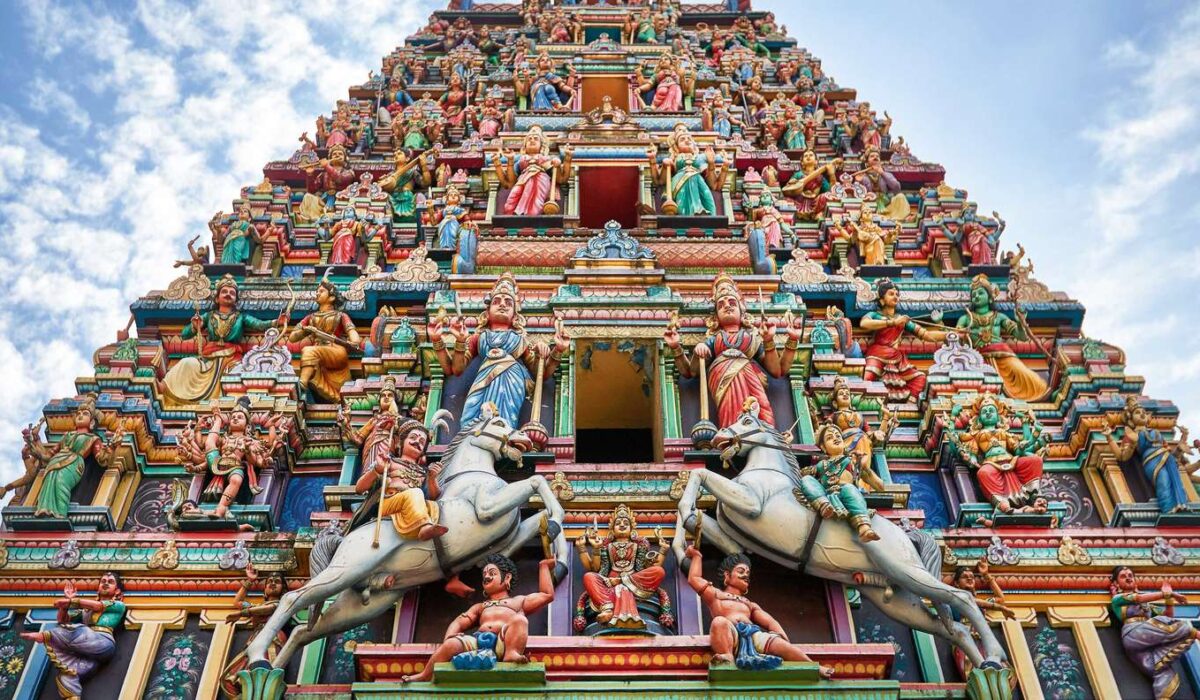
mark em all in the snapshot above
pixel 482 513
pixel 757 511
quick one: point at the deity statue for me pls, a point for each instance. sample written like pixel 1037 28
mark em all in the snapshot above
pixel 414 512
pixel 329 334
pixel 1009 466
pixel 239 238
pixel 622 570
pixel 667 81
pixel 273 589
pixel 741 633
pixel 454 101
pixel 231 454
pixel 196 256
pixel 830 486
pixel 750 95
pixel 533 175
pixel 509 361
pixel 1152 636
pixel 809 187
pixel 83 638
pixel 688 175
pixel 742 355
pixel 220 342
pixel 1163 460
pixel 889 201
pixel 986 328
pixel 401 183
pixel 639 28
pixel 344 236
pixel 501 621
pixel 327 177
pixel 870 239
pixel 979 242
pixel 545 88
pixel 491 115
pixel 767 217
pixel 863 129
pixel 885 359
pixel 415 132
pixel 968 579
pixel 63 463
pixel 861 441
pixel 715 115
pixel 451 216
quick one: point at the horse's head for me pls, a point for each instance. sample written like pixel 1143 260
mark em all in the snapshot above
pixel 732 439
pixel 493 434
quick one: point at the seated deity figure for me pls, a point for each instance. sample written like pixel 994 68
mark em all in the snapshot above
pixel 501 621
pixel 329 334
pixel 544 88
pixel 885 360
pixel 987 328
pixel 409 487
pixel 870 239
pixel 741 633
pixel 831 486
pixel 742 355
pixel 688 175
pixel 623 570
pixel 809 187
pixel 861 441
pixel 1008 464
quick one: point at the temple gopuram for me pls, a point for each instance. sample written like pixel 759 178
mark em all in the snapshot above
pixel 603 351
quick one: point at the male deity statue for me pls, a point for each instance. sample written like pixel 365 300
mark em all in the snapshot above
pixel 1009 464
pixel 623 569
pixel 832 486
pixel 501 621
pixel 987 328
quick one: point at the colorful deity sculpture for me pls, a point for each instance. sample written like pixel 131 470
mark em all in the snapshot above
pixel 401 183
pixel 376 439
pixel 688 176
pixel 1008 464
pixel 64 462
pixel 328 176
pixel 1162 458
pixel 83 640
pixel 767 217
pixel 870 239
pixel 888 200
pixel 273 588
pixel 545 89
pixel 501 621
pixel 327 334
pixel 450 218
pixel 220 335
pixel 409 488
pixel 1152 636
pixel 623 569
pixel 716 115
pixel 741 632
pixel 861 441
pixel 830 486
pixel 344 236
pixel 809 187
pixel 491 115
pixel 666 85
pixel 979 241
pixel 742 355
pixel 968 579
pixel 532 175
pixel 509 359
pixel 987 328
pixel 640 29
pixel 885 359
pixel 231 454
pixel 239 239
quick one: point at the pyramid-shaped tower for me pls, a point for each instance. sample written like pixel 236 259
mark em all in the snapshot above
pixel 574 293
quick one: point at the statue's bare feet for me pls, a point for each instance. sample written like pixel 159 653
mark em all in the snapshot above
pixel 455 586
pixel 721 659
pixel 604 616
pixel 515 658
pixel 866 534
pixel 426 674
pixel 429 531
pixel 826 672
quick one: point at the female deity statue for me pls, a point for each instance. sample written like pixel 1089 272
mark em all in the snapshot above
pixel 885 359
pixel 328 334
pixel 83 638
pixel 239 239
pixel 401 183
pixel 977 240
pixel 868 237
pixel 231 454
pixel 864 131
pixel 860 440
pixel 329 176
pixel 375 439
pixel 766 216
pixel 451 216
pixel 668 83
pixel 344 236
pixel 490 116
pixel 689 176
pixel 509 359
pixel 809 187
pixel 742 355
pixel 987 329
pixel 220 341
pixel 545 88
pixel 622 569
pixel 533 175
pixel 454 101
pixel 1163 460
pixel 830 487
pixel 413 131
pixel 63 463
pixel 639 28
pixel 273 589
pixel 716 116
pixel 795 133
pixel 1153 638
pixel 1009 465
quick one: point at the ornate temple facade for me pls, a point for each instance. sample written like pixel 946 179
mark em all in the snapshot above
pixel 603 351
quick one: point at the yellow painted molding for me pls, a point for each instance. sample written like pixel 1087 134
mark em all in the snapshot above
pixel 1082 620
pixel 211 617
pixel 141 617
pixel 1019 658
pixel 1025 617
pixel 209 687
pixel 1067 615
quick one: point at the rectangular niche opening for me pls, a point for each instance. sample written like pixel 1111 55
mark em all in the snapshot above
pixel 615 413
pixel 609 194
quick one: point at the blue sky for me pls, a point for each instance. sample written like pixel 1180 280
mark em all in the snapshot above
pixel 126 126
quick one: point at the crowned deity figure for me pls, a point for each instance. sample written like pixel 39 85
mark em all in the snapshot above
pixel 409 487
pixel 978 241
pixel 1008 464
pixel 544 87
pixel 328 176
pixel 830 486
pixel 870 239
pixel 809 187
pixel 742 355
pixel 861 441
pixel 639 28
pixel 668 84
pixel 231 454
pixel 766 216
pixel 688 175
pixel 987 328
pixel 401 183
pixel 1163 459
pixel 239 238
pixel 451 218
pixel 377 437
pixel 1152 636
pixel 273 588
pixel 509 359
pixel 344 236
pixel 885 359
pixel 533 175
pixel 622 570
pixel 889 201
pixel 63 463
pixel 328 334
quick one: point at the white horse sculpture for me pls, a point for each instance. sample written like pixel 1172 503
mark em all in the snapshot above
pixel 482 513
pixel 757 511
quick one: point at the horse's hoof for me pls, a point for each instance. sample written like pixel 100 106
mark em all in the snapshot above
pixel 263 663
pixel 553 528
pixel 991 663
pixel 560 571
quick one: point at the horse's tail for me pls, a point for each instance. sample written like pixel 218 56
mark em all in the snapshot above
pixel 328 540
pixel 931 557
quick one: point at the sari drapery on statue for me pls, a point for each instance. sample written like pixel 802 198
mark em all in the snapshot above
pixel 532 188
pixel 688 187
pixel 64 471
pixel 736 375
pixel 502 379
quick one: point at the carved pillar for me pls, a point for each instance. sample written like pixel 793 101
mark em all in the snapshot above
pixel 152 624
pixel 218 650
pixel 668 391
pixel 34 676
pixel 1083 620
pixel 564 410
pixel 797 378
pixel 436 387
pixel 1019 657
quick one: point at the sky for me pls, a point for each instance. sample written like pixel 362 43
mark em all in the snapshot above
pixel 124 127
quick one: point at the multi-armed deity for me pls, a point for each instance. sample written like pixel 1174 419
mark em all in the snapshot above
pixel 987 329
pixel 688 175
pixel 624 575
pixel 1008 464
pixel 886 361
